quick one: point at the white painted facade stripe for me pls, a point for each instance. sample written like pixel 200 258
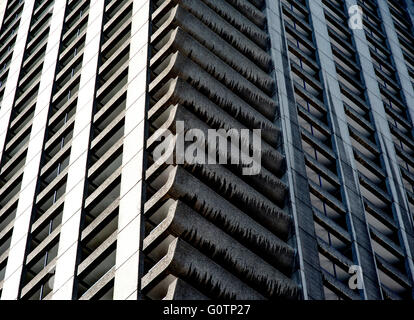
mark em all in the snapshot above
pixel 3 7
pixel 31 170
pixel 129 222
pixel 14 71
pixel 72 210
pixel 33 136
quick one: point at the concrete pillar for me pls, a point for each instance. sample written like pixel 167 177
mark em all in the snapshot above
pixel 410 11
pixel 378 112
pixel 3 7
pixel 130 228
pixel 357 224
pixel 310 273
pixel 404 218
pixel 66 264
pixel 14 72
pixel 24 211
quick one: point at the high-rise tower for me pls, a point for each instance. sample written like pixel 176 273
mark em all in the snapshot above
pixel 90 90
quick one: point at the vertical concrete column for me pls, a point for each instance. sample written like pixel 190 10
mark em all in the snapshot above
pixel 397 54
pixel 309 268
pixel 3 7
pixel 401 208
pixel 14 72
pixel 15 258
pixel 66 264
pixel 357 224
pixel 410 10
pixel 129 238
pixel 384 137
pixel 31 170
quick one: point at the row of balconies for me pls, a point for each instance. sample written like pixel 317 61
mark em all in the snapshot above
pixel 210 231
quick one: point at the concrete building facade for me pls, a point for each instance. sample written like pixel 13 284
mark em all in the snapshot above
pixel 91 89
